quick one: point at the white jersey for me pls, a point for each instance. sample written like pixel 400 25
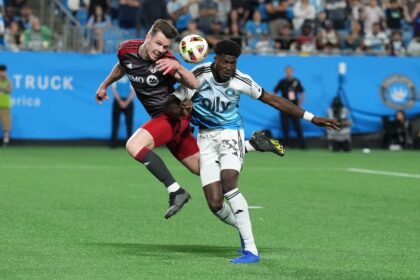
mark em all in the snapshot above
pixel 216 105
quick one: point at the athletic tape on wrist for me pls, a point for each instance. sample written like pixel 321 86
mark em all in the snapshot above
pixel 308 116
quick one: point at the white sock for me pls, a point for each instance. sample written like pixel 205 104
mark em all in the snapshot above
pixel 226 215
pixel 248 147
pixel 173 188
pixel 240 209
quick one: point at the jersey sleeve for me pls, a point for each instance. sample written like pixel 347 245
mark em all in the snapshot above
pixel 200 70
pixel 183 93
pixel 249 86
pixel 129 46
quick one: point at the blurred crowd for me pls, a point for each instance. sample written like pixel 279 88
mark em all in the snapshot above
pixel 382 27
pixel 20 29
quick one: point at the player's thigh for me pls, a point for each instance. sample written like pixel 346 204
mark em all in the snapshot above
pixel 232 153
pixel 214 196
pixel 232 149
pixel 208 143
pixel 154 133
pixel 140 139
pixel 184 147
pixel 192 163
pixel 229 179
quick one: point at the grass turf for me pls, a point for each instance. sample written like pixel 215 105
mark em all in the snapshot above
pixel 93 213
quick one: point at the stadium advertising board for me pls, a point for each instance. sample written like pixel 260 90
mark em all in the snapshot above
pixel 54 93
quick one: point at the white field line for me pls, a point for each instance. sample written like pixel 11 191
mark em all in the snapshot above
pixel 134 166
pixel 386 173
pixel 255 207
pixel 75 167
pixel 179 167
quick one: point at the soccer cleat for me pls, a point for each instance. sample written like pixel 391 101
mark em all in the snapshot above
pixel 247 257
pixel 176 201
pixel 263 143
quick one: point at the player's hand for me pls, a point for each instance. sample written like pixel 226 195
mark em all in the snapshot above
pixel 186 107
pixel 325 122
pixel 167 65
pixel 101 95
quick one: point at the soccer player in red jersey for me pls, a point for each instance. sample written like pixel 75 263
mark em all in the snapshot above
pixel 153 71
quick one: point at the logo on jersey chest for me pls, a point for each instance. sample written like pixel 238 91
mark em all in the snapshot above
pixel 215 104
pixel 230 92
pixel 151 80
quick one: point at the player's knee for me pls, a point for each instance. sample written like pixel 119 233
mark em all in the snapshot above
pixel 215 205
pixel 131 148
pixel 195 171
pixel 229 177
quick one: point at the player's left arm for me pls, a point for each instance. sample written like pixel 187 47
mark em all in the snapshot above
pixel 288 107
pixel 179 103
pixel 175 108
pixel 171 66
pixel 186 78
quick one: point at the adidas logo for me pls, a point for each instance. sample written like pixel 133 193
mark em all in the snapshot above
pixel 239 211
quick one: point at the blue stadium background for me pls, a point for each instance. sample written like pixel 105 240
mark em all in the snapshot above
pixel 53 96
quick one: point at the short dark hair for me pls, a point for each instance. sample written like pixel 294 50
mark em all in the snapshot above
pixel 165 27
pixel 3 67
pixel 228 47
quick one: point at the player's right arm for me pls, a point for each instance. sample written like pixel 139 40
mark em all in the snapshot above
pixel 116 73
pixel 282 104
pixel 179 103
pixel 173 67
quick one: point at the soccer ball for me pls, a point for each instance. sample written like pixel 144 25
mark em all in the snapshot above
pixel 193 48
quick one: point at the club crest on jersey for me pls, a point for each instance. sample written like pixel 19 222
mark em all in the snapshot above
pixel 152 80
pixel 230 92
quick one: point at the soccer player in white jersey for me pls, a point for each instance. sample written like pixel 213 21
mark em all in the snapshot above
pixel 221 137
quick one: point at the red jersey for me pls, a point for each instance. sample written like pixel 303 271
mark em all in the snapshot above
pixel 152 87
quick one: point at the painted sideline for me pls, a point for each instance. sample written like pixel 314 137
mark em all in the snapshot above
pixel 386 173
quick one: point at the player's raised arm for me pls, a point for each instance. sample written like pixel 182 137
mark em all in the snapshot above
pixel 186 78
pixel 288 107
pixel 179 72
pixel 179 103
pixel 116 73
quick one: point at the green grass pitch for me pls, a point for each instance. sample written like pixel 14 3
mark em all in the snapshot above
pixel 94 213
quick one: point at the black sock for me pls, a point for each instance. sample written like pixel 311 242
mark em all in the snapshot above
pixel 155 165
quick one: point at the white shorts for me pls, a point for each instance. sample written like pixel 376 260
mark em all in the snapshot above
pixel 219 149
